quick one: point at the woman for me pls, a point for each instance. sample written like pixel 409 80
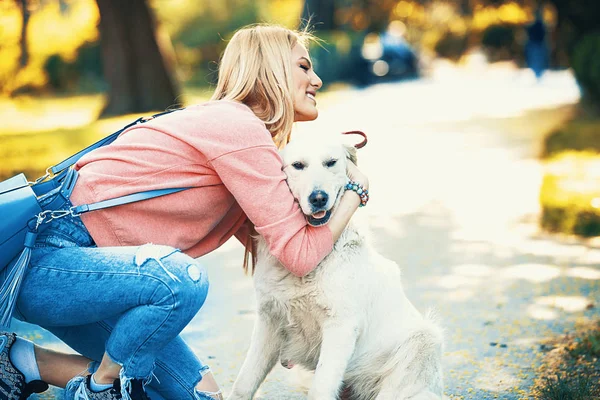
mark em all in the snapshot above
pixel 121 303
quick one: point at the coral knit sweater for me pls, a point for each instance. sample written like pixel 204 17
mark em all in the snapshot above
pixel 226 155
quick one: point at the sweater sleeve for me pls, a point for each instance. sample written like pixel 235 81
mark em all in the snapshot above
pixel 255 178
pixel 243 234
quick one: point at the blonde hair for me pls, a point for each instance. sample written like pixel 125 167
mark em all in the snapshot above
pixel 255 69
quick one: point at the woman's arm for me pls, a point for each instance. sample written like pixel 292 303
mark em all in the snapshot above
pixel 348 204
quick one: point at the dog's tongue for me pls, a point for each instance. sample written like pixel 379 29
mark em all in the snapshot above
pixel 319 215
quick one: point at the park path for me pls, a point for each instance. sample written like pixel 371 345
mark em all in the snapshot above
pixel 455 177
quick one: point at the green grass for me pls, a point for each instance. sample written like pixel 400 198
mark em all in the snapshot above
pixel 571 371
pixel 38 132
pixel 33 152
pixel 570 193
pixel 568 388
pixel 587 346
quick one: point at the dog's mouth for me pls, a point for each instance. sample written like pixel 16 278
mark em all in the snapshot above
pixel 319 218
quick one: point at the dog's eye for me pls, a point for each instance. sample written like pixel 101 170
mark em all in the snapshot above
pixel 330 163
pixel 298 165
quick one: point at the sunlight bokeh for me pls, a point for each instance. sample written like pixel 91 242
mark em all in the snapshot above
pixel 542 312
pixel 584 273
pixel 532 272
pixel 565 303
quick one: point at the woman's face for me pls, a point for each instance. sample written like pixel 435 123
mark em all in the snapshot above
pixel 306 84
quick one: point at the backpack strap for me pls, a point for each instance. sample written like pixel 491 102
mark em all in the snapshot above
pixel 117 201
pixel 55 207
pixel 103 142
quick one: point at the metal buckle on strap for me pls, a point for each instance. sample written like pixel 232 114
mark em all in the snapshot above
pixel 41 178
pixel 50 215
pixel 73 212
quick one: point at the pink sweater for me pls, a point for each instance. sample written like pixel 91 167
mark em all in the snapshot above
pixel 226 154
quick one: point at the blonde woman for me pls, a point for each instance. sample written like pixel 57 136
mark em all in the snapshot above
pixel 121 303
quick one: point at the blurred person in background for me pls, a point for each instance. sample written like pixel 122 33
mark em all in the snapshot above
pixel 536 49
pixel 96 283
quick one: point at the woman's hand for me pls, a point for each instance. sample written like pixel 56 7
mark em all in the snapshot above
pixel 355 175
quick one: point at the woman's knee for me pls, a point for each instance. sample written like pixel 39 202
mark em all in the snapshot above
pixel 183 280
pixel 191 285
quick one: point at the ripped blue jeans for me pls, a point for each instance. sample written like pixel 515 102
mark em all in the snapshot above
pixel 130 302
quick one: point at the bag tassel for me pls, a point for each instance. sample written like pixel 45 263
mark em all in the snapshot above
pixel 9 291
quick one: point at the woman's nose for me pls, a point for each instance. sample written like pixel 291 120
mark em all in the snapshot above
pixel 316 81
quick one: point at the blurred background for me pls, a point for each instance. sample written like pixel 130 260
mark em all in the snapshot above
pixel 73 47
pixel 485 115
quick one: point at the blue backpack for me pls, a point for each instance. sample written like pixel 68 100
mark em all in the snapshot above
pixel 27 207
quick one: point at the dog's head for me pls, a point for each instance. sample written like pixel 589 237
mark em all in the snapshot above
pixel 316 173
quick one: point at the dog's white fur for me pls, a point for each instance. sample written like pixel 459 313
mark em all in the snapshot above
pixel 349 319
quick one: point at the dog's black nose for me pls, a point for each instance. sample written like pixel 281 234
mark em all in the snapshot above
pixel 318 199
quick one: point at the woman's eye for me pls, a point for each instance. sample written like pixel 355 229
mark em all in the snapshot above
pixel 304 67
pixel 298 165
pixel 330 163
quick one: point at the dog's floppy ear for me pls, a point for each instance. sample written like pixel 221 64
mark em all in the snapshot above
pixel 351 153
pixel 351 147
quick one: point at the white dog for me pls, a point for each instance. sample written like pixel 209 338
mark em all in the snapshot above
pixel 349 319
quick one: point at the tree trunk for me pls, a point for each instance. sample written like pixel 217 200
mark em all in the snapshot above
pixel 25 13
pixel 320 13
pixel 138 76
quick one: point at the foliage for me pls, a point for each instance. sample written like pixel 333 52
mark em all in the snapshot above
pixel 568 388
pixel 449 29
pixel 46 36
pixel 570 194
pixel 335 57
pixel 580 135
pixel 570 371
pixel 586 64
pixel 207 35
pixel 580 17
pixel 500 42
pixel 84 74
pixel 588 346
pixel 200 29
pixel 498 36
pixel 451 46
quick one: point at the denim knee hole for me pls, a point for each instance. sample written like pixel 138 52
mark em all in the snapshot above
pixel 191 287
